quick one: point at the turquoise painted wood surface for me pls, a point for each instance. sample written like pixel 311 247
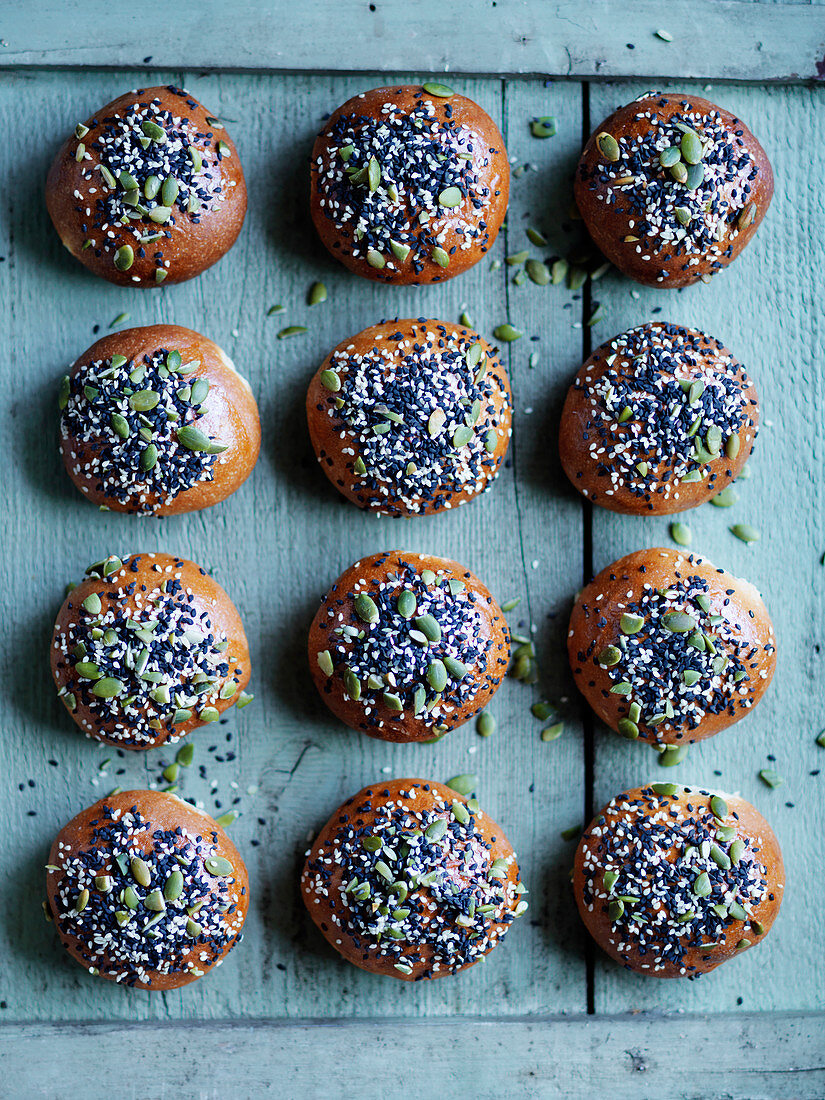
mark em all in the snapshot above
pixel 278 543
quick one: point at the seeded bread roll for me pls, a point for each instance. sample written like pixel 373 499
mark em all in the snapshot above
pixel 658 420
pixel 146 891
pixel 406 647
pixel 672 188
pixel 671 881
pixel 411 880
pixel 668 648
pixel 147 649
pixel 409 184
pixel 411 417
pixel 157 421
pixel 148 190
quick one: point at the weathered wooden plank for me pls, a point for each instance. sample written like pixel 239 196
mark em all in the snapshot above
pixel 761 1056
pixel 782 42
pixel 766 307
pixel 276 545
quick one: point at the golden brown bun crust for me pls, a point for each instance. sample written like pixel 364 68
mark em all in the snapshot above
pixel 193 245
pixel 587 424
pixel 231 417
pixel 321 882
pixel 123 592
pixel 491 166
pixel 746 638
pixel 333 438
pixel 485 643
pixel 163 812
pixel 610 225
pixel 682 955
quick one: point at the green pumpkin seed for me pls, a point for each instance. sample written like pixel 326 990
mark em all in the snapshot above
pixel 746 217
pixel 440 91
pixel 436 829
pixel 352 685
pixel 543 127
pixel 552 733
pixel 681 534
pixel 631 624
pixel 292 330
pixel 507 333
pixel 218 866
pixel 92 604
pixel 199 391
pixel 679 172
pixel 669 157
pixel 465 784
pixel 536 238
pixel 406 604
pixel 141 872
pixel 153 131
pixel 609 656
pixel 667 790
pixel 678 622
pixel 87 670
pixel 673 755
pixel 771 778
pixel 462 436
pixel 193 439
pixel 149 458
pixel 400 251
pixel 457 669
pixel 437 675
pixel 174 886
pixel 558 272
pixel 450 197
pixel 615 910
pixel 144 400
pixel 701 885
pixel 209 714
pixel 330 380
pixel 428 625
pixel 737 850
pixel 623 688
pixel 758 927
pixel 608 146
pixel 317 294
pixel 490 441
pixel 726 499
pixel 538 272
pixel 485 724
pixel 124 257
pixel 695 176
pixel 365 608
pixel 325 662
pixel 108 688
pixel 441 257
pixel 745 532
pixel 628 729
pixel 718 807
pixel 691 147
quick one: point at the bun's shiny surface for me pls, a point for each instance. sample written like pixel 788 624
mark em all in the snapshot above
pixel 406 647
pixel 671 881
pixel 411 417
pixel 157 421
pixel 409 186
pixel 668 648
pixel 658 420
pixel 146 891
pixel 411 880
pixel 149 190
pixel 147 649
pixel 672 187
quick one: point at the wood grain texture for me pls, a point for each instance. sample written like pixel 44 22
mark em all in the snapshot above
pixel 276 546
pixel 756 1056
pixel 600 40
pixel 766 307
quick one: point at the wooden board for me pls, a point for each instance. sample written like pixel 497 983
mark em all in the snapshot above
pixel 285 536
pixel 575 1059
pixel 782 41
